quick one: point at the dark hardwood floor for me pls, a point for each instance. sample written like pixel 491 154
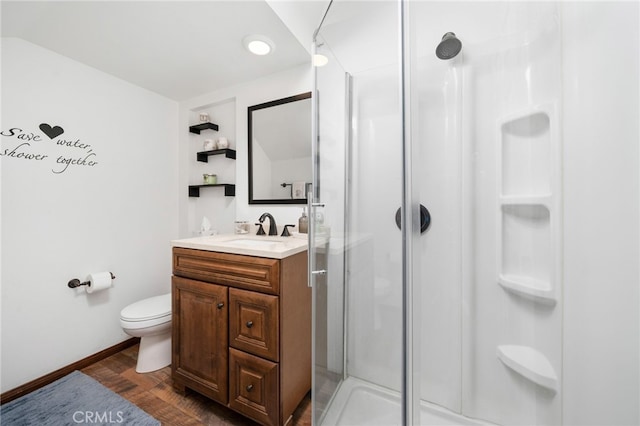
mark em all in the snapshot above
pixel 153 393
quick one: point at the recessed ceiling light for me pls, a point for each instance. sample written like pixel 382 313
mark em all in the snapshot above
pixel 258 44
pixel 320 60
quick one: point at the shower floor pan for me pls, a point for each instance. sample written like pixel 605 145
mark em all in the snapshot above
pixel 358 402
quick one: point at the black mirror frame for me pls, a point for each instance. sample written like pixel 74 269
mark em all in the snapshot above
pixel 250 110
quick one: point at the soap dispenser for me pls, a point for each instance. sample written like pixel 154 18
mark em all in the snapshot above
pixel 303 222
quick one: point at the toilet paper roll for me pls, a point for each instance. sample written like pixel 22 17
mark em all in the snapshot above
pixel 98 281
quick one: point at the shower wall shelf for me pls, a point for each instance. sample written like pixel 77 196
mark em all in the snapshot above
pixel 203 156
pixel 530 364
pixel 543 199
pixel 529 185
pixel 197 128
pixel 229 189
pixel 528 287
pixel 529 249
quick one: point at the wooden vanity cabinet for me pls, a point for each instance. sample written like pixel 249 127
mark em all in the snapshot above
pixel 242 331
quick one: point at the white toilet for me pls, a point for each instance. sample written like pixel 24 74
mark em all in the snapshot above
pixel 150 319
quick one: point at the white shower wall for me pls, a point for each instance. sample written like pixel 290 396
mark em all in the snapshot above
pixel 526 148
pixel 601 326
pixel 492 219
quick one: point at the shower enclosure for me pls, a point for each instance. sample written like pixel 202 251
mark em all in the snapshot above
pixel 474 220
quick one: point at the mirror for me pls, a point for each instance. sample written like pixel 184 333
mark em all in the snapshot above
pixel 280 150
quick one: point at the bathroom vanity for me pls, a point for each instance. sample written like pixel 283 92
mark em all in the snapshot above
pixel 241 323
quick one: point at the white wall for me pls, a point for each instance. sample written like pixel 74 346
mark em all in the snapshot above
pixel 601 136
pixel 291 82
pixel 117 215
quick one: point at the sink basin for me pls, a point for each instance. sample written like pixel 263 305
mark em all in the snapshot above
pixel 263 244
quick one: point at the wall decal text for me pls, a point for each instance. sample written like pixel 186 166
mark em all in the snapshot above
pixel 21 135
pixel 17 153
pixel 32 146
pixel 74 162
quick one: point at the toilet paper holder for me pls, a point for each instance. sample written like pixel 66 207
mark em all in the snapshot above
pixel 76 282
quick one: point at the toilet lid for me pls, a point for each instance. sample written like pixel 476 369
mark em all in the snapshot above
pixel 153 307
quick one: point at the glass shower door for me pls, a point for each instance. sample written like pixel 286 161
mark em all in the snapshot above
pixel 482 112
pixel 357 252
pixel 416 321
pixel 327 233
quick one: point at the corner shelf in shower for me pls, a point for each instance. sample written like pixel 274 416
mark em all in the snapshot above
pixel 229 189
pixel 530 364
pixel 515 200
pixel 203 156
pixel 528 287
pixel 529 186
pixel 529 241
pixel 197 128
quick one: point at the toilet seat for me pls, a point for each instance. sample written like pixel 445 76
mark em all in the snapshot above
pixel 147 313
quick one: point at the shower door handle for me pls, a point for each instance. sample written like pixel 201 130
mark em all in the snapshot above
pixel 311 240
pixel 425 218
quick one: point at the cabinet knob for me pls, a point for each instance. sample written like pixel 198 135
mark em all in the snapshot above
pixel 220 305
pixel 249 388
pixel 249 324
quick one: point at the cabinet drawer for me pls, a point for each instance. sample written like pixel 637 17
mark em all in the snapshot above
pixel 252 273
pixel 254 387
pixel 254 323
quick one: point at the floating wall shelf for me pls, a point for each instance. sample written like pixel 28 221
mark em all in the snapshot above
pixel 229 189
pixel 197 128
pixel 203 156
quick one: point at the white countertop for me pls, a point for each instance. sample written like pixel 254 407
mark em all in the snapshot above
pixel 249 245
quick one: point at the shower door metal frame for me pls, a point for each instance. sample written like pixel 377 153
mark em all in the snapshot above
pixel 314 201
pixel 410 229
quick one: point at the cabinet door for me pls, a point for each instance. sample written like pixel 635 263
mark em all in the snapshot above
pixel 253 323
pixel 200 335
pixel 254 387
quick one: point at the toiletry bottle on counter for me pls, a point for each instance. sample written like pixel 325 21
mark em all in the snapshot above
pixel 303 222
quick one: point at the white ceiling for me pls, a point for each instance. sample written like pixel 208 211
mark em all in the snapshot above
pixel 179 49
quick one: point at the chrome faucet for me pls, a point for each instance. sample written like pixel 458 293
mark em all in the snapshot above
pixel 273 229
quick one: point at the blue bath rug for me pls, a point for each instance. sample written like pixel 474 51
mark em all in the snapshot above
pixel 75 399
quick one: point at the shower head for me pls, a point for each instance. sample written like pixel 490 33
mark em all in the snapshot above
pixel 449 47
